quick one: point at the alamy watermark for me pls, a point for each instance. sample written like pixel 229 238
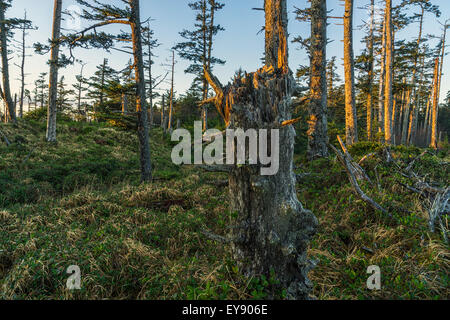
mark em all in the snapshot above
pixel 374 281
pixel 235 148
pixel 74 281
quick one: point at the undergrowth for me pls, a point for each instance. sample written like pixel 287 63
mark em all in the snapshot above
pixel 79 202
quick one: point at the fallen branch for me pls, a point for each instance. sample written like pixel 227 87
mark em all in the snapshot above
pixel 354 182
pixel 355 168
pixel 438 209
pixel 367 156
pixel 6 139
pixel 411 164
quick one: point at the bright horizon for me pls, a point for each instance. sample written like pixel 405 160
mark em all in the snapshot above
pixel 242 26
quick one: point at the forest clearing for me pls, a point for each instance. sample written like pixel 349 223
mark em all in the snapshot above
pixel 331 181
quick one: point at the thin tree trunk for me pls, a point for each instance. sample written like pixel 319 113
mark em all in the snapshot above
pixel 434 112
pixel 124 104
pixel 351 128
pixel 414 117
pixel 169 126
pixel 22 68
pixel 163 112
pixel 205 65
pixel 369 106
pixel 210 46
pixel 382 78
pixel 6 93
pixel 442 61
pixel 150 78
pixel 102 82
pixel 388 104
pixel 141 104
pixel 317 133
pixel 79 87
pixel 53 83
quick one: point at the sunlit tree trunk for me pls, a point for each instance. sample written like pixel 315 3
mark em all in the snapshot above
pixel 124 104
pixel 434 111
pixel 382 79
pixel 388 102
pixel 6 92
pixel 351 127
pixel 317 133
pixel 141 104
pixel 53 83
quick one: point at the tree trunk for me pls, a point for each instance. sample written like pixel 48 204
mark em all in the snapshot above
pixel 382 78
pixel 351 128
pixel 169 126
pixel 272 229
pixel 22 68
pixel 141 105
pixel 205 65
pixel 369 106
pixel 150 78
pixel 124 104
pixel 412 91
pixel 434 112
pixel 163 111
pixel 414 117
pixel 53 83
pixel 388 104
pixel 102 84
pixel 317 133
pixel 6 93
pixel 442 62
pixel 80 83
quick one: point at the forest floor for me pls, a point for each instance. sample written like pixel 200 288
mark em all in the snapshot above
pixel 79 202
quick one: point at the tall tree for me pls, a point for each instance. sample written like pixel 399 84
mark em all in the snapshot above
pixel 24 26
pixel 79 86
pixel 410 116
pixel 6 90
pixel 53 83
pixel 198 45
pixel 102 15
pixel 370 48
pixel 434 110
pixel 318 132
pixel 388 97
pixel 272 228
pixel 171 98
pixel 150 43
pixel 381 89
pixel 351 127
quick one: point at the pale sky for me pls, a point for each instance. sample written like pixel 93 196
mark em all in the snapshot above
pixel 240 44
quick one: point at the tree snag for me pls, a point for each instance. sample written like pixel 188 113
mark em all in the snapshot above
pixel 53 83
pixel 272 229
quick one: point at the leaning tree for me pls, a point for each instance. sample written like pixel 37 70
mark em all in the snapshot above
pixel 272 228
pixel 104 14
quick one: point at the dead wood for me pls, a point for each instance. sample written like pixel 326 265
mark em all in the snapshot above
pixel 354 181
pixel 5 139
